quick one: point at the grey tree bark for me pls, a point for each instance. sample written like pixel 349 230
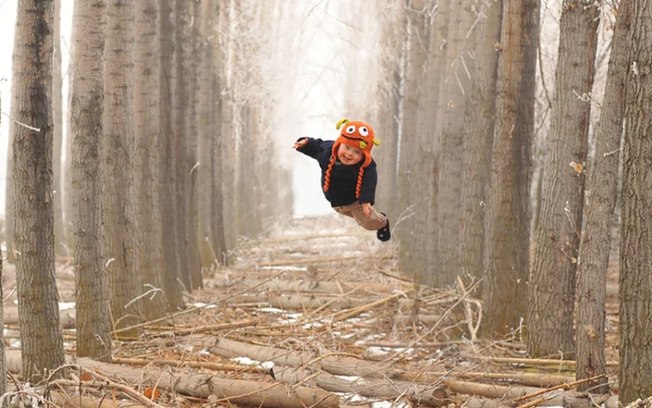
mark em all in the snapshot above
pixel 167 170
pixel 600 202
pixel 147 158
pixel 452 105
pixel 635 371
pixel 87 98
pixel 118 211
pixel 419 91
pixel 508 213
pixel 556 242
pixel 478 139
pixel 181 110
pixel 57 103
pixel 38 307
pixel 217 176
pixel 3 362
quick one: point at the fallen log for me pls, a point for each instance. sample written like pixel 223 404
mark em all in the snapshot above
pixel 203 329
pixel 424 395
pixel 334 364
pixel 570 399
pixel 280 285
pixel 194 364
pixel 66 317
pixel 298 302
pixel 69 400
pixel 569 364
pixel 243 392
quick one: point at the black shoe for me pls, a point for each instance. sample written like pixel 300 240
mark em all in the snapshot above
pixel 383 234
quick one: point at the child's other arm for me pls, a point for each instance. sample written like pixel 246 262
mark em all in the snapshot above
pixel 309 146
pixel 369 181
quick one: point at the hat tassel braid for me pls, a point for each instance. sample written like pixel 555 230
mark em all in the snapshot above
pixel 358 185
pixel 329 169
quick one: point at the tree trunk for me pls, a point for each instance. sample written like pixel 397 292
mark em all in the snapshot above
pixel 57 122
pixel 217 175
pixel 553 275
pixel 191 141
pixel 420 88
pixel 635 373
pixel 508 215
pixel 240 392
pixel 87 100
pixel 171 285
pixel 454 87
pixel 116 175
pixel 601 191
pixel 3 362
pixel 478 138
pixel 149 259
pixel 38 308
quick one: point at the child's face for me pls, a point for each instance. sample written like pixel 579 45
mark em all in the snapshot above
pixel 349 155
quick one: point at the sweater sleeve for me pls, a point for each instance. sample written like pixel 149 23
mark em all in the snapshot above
pixel 369 181
pixel 313 147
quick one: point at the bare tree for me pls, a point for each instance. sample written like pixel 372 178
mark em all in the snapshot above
pixel 635 372
pixel 450 114
pixel 38 307
pixel 147 158
pixel 167 173
pixel 117 204
pixel 556 242
pixel 211 233
pixel 86 109
pixel 57 103
pixel 601 195
pixel 3 361
pixel 478 138
pixel 508 215
pixel 417 105
pixel 181 109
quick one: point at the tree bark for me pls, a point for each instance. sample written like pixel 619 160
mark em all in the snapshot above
pixel 241 392
pixel 420 90
pixel 478 139
pixel 507 250
pixel 147 158
pixel 424 395
pixel 87 99
pixel 41 338
pixel 171 284
pixel 3 362
pixel 57 123
pixel 553 274
pixel 116 176
pixel 635 373
pixel 601 193
pixel 454 90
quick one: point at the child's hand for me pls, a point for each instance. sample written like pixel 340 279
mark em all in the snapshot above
pixel 299 144
pixel 366 209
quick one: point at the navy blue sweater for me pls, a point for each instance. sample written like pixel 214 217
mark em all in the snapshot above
pixel 343 178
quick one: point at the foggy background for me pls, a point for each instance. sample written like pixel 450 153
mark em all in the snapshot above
pixel 313 111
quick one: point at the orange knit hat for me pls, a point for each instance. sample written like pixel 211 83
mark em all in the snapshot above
pixel 358 135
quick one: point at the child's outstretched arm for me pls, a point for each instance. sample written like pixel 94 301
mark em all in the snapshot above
pixel 299 144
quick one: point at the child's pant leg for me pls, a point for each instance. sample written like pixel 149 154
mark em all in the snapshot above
pixel 374 221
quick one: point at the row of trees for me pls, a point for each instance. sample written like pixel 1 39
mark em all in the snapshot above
pixel 458 112
pixel 167 168
pixel 168 161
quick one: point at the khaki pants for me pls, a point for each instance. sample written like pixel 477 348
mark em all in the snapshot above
pixel 374 221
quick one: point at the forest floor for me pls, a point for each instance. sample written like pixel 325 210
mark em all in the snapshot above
pixel 316 313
